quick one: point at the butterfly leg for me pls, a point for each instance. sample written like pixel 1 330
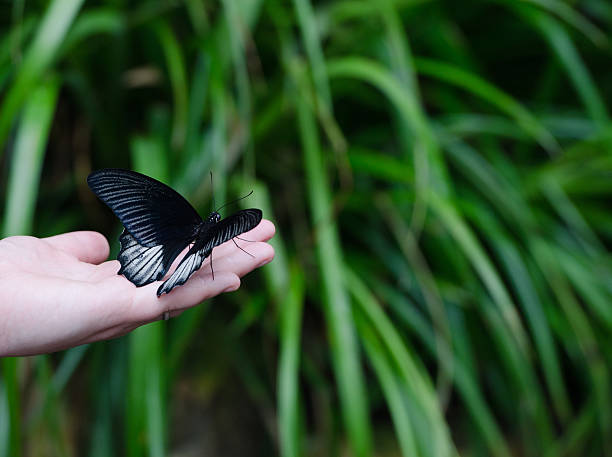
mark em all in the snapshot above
pixel 241 248
pixel 242 239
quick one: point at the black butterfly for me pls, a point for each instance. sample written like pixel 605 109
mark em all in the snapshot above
pixel 158 224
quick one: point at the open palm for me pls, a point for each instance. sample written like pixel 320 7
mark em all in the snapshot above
pixel 59 292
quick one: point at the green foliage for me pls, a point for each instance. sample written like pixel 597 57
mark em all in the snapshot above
pixel 439 174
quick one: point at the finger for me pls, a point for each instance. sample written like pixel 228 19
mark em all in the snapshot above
pixel 147 306
pixel 263 232
pixel 104 270
pixel 86 246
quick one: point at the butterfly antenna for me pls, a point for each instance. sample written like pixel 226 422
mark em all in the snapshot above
pixel 212 189
pixel 233 201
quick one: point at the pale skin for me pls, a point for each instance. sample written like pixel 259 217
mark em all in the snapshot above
pixel 61 292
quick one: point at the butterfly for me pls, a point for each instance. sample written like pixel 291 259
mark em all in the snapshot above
pixel 159 224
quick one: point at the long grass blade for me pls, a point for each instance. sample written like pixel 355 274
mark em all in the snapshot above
pixel 392 389
pixel 465 380
pixel 27 160
pixel 288 366
pixel 436 441
pixel 478 86
pixel 146 388
pixel 311 36
pixel 175 64
pixel 410 112
pixel 57 20
pixel 568 55
pixel 338 314
pixel 483 266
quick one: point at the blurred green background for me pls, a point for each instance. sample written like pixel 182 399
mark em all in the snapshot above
pixel 439 173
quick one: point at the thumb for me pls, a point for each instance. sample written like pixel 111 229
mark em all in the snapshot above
pixel 90 247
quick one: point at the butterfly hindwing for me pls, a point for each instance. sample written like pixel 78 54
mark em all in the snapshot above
pixel 143 265
pixel 152 212
pixel 189 265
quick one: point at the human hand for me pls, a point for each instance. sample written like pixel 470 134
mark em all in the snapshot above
pixel 59 292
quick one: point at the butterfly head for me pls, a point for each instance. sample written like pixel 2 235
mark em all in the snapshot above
pixel 213 217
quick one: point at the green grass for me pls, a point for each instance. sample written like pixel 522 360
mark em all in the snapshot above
pixel 440 178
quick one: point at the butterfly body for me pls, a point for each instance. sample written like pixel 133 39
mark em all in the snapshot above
pixel 159 224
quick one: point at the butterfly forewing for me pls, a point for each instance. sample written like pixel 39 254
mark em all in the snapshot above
pixel 152 212
pixel 231 227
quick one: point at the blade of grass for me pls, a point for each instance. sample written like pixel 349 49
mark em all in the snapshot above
pixel 467 385
pixel 402 64
pixel 183 329
pixel 28 157
pixel 532 413
pixel 379 165
pixel 311 37
pixel 198 16
pixel 145 405
pixel 583 276
pixel 236 30
pixel 580 431
pixel 218 140
pixel 540 329
pixel 345 353
pixel 507 331
pixel 289 364
pixel 175 64
pixel 52 388
pixel 573 18
pixel 392 389
pixel 277 272
pixel 570 59
pixel 458 77
pixel 50 408
pixel 323 103
pixel 38 58
pixel 483 266
pixel 22 194
pixel 10 427
pixel 486 179
pixel 437 440
pixel 19 33
pixel 408 244
pixel 197 104
pixel 90 23
pixel 408 108
pixel 571 215
pixel 107 365
pixel 70 361
pixel 584 335
pixel 146 399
